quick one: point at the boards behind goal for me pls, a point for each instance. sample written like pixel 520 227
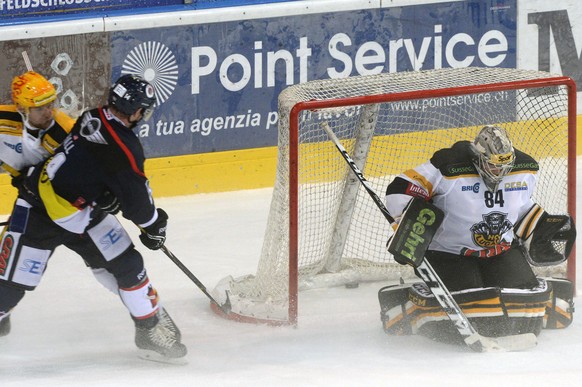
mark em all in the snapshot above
pixel 324 230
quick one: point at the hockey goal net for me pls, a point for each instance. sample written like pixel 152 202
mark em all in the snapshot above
pixel 323 228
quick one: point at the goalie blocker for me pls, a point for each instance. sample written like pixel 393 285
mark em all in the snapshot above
pixel 418 224
pixel 412 309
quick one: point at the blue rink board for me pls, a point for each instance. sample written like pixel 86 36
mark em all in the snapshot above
pixel 34 11
pixel 218 88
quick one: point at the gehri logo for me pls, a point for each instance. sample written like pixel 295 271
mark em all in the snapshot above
pixel 155 63
pixel 475 187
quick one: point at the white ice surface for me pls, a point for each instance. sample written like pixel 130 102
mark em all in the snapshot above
pixel 73 332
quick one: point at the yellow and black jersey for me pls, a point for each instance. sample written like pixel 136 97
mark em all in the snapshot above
pixel 21 147
pixel 477 222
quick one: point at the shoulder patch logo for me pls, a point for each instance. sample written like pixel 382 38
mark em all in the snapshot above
pixel 90 130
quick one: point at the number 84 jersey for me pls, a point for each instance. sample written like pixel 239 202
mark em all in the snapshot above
pixel 477 222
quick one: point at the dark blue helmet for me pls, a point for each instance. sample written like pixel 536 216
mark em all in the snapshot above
pixel 131 93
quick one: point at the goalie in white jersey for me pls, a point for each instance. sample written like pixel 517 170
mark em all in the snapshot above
pixel 491 232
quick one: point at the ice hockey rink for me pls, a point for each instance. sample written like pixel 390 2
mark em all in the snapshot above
pixel 73 332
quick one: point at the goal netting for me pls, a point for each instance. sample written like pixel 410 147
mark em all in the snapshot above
pixel 323 228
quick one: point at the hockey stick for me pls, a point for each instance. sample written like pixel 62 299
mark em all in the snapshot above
pixel 225 308
pixel 471 337
pixel 27 61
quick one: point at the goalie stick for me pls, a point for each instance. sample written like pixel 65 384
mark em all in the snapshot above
pixel 225 308
pixel 472 338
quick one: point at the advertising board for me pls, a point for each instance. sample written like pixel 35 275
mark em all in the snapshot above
pixel 15 9
pixel 217 84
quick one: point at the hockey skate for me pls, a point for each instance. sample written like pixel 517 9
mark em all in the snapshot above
pixel 5 326
pixel 158 338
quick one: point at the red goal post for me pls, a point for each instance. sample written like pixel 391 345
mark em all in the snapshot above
pixel 323 230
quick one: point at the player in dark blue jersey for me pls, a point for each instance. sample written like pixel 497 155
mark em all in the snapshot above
pixel 72 198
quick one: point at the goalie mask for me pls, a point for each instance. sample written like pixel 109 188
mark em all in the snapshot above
pixel 131 93
pixel 493 155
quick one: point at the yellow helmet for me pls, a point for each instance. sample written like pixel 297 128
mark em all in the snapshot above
pixel 32 90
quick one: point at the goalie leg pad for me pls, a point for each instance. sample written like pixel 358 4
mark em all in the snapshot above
pixel 482 306
pixel 413 309
pixel 525 308
pixel 493 312
pixel 393 309
pixel 560 309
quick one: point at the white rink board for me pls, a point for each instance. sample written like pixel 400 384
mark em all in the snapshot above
pixel 542 19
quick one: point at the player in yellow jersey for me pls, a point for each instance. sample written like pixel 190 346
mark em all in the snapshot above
pixel 30 130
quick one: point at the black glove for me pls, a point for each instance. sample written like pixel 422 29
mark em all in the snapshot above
pixel 108 203
pixel 17 181
pixel 552 239
pixel 154 235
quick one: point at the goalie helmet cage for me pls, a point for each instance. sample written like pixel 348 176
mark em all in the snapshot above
pixel 324 230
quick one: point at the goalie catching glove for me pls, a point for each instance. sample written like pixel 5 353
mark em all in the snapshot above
pixel 548 239
pixel 154 236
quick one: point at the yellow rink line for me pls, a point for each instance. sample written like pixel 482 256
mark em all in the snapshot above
pixel 193 174
pixel 205 173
